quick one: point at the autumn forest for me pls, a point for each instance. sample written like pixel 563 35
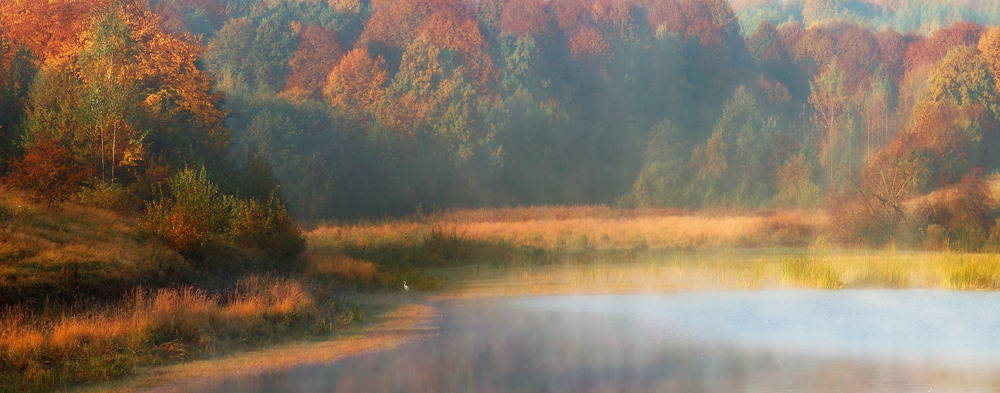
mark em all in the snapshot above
pixel 342 109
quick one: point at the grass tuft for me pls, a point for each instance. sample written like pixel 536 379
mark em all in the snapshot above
pixel 803 271
pixel 972 274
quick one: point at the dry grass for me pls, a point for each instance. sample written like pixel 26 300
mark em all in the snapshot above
pixel 71 332
pixel 258 296
pixel 68 252
pixel 389 329
pixel 585 227
pixel 42 352
pixel 18 333
pixel 340 265
pixel 729 268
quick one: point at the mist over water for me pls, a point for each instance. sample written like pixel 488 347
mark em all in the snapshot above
pixel 768 341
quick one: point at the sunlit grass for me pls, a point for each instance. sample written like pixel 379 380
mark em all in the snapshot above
pixel 597 248
pixel 659 270
pixel 583 227
pixel 68 253
pixel 979 272
pixel 802 271
pixel 43 352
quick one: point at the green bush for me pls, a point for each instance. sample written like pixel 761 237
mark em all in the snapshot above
pixel 196 217
pixel 193 217
pixel 107 195
pixel 267 227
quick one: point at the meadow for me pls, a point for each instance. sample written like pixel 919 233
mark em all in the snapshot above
pixel 87 297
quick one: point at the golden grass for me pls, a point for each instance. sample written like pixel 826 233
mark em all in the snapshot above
pixel 390 329
pixel 43 351
pixel 18 334
pixel 71 332
pixel 806 272
pixel 962 273
pixel 583 227
pixel 84 251
pixel 256 296
pixel 730 268
pixel 340 265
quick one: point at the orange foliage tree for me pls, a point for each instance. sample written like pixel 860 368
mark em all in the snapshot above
pixel 989 46
pixel 356 85
pixel 317 53
pixel 526 17
pixel 49 171
pixel 447 24
pixel 53 30
pixel 128 91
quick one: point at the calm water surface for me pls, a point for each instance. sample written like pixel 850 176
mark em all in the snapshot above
pixel 767 341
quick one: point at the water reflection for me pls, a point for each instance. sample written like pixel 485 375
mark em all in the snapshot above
pixel 845 341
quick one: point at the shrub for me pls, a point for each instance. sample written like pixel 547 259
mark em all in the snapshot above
pixel 193 217
pixel 196 217
pixel 107 195
pixel 965 218
pixel 267 227
pixel 49 172
pixel 872 224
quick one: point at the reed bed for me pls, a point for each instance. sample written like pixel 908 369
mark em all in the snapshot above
pixel 740 268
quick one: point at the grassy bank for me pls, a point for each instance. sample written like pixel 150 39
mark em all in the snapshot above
pixel 383 254
pixel 44 351
pixel 668 270
pixel 68 253
pixel 86 296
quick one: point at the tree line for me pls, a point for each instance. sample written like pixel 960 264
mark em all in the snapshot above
pixel 368 108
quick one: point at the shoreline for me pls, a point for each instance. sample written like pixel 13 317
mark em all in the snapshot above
pixel 401 322
pixel 397 318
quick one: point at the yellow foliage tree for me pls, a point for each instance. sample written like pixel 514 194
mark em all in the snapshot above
pixel 989 45
pixel 356 84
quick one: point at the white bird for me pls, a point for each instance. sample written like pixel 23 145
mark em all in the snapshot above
pixel 406 287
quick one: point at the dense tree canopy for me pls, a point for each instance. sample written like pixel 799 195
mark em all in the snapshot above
pixel 362 108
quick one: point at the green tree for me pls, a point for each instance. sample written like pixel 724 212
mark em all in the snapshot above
pixel 837 127
pixel 111 97
pixel 17 71
pixel 735 165
pixel 255 52
pixel 661 181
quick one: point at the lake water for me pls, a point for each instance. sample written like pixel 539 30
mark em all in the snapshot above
pixel 761 341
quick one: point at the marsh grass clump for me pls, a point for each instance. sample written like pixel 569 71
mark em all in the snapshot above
pixel 636 243
pixel 742 272
pixel 803 271
pixel 888 273
pixel 48 352
pixel 971 273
